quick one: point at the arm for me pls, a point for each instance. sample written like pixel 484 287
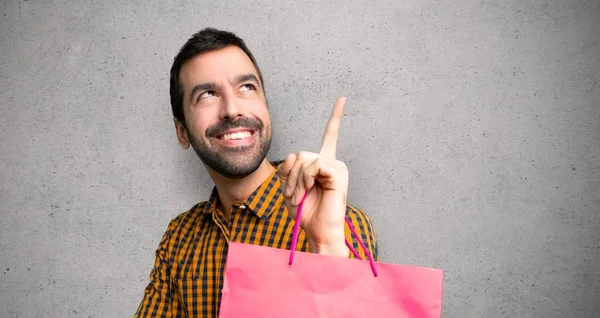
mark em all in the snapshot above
pixel 159 295
pixel 320 183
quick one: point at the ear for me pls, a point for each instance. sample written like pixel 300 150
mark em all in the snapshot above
pixel 182 134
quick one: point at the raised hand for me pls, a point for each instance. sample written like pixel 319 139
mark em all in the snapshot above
pixel 326 180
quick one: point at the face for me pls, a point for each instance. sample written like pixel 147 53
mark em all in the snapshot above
pixel 225 110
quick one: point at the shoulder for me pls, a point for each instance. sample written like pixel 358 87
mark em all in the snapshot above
pixel 361 223
pixel 184 221
pixel 354 213
pixel 360 220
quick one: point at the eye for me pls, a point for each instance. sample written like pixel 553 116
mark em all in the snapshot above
pixel 206 94
pixel 247 87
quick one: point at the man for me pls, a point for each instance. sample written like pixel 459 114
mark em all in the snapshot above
pixel 220 109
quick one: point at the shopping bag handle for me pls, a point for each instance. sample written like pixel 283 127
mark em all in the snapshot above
pixel 296 232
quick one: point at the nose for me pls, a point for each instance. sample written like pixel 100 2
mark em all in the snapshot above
pixel 230 107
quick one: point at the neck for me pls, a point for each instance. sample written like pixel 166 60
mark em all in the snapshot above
pixel 231 190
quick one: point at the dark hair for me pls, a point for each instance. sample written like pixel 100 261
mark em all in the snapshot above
pixel 206 40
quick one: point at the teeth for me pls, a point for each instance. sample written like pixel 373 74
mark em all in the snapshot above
pixel 237 135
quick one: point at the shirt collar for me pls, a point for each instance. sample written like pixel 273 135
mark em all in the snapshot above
pixel 262 202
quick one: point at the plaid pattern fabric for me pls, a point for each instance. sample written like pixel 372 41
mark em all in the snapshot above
pixel 187 277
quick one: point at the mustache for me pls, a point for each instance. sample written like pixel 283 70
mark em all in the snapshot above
pixel 228 123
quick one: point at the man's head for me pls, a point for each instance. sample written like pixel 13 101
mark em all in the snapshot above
pixel 219 104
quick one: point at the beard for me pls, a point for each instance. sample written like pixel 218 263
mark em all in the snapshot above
pixel 237 162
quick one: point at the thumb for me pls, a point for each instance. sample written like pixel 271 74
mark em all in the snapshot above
pixel 284 170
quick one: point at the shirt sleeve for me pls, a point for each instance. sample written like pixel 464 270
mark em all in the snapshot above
pixel 159 298
pixel 364 228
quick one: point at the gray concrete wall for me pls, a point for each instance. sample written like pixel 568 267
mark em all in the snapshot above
pixel 471 133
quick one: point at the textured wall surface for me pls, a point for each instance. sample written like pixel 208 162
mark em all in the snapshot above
pixel 471 132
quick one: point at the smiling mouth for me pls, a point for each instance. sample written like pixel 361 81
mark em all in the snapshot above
pixel 240 135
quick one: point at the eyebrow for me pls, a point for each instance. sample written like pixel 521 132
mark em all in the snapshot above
pixel 201 87
pixel 247 78
pixel 211 86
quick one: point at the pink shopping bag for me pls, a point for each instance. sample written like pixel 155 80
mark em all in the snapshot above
pixel 268 282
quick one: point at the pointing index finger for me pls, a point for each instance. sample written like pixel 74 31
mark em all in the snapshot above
pixel 330 136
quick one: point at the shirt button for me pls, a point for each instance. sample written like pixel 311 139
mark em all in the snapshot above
pixel 242 207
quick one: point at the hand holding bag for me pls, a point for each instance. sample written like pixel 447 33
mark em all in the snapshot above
pixel 259 282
